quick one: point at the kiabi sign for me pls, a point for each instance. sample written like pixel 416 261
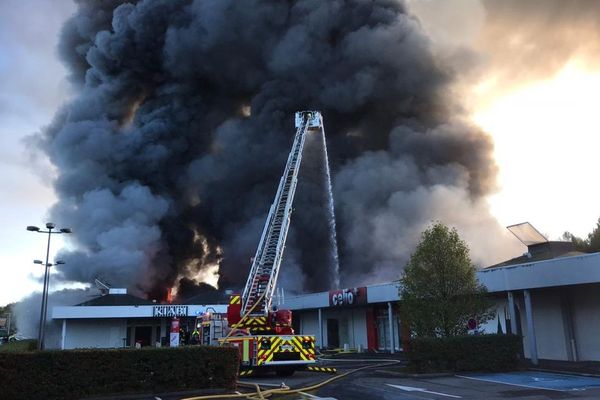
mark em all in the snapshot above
pixel 170 311
pixel 348 297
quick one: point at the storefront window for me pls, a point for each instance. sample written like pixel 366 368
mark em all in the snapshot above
pixel 383 330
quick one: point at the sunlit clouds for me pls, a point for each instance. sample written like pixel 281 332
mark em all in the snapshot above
pixel 546 137
pixel 529 72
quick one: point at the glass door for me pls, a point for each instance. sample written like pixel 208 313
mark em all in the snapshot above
pixel 383 329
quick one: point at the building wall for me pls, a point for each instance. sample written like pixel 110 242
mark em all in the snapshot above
pixel 566 322
pixel 352 326
pixel 549 325
pixel 98 333
pixel 309 324
pixel 585 306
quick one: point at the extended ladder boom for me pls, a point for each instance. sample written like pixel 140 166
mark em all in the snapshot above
pixel 267 260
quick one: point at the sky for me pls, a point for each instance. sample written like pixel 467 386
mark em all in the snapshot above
pixel 32 87
pixel 526 72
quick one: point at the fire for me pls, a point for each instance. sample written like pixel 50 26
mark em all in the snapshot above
pixel 202 269
pixel 133 108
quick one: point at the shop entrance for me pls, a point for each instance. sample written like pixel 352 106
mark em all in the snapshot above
pixel 143 335
pixel 333 333
pixel 383 329
pixel 384 336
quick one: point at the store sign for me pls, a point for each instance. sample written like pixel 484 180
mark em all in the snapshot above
pixel 348 297
pixel 170 311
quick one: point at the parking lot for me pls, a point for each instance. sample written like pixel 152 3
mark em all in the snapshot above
pixel 377 383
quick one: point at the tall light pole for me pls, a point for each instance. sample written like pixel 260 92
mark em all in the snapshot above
pixel 50 226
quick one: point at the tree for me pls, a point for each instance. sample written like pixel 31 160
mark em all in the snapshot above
pixel 439 290
pixel 4 311
pixel 589 245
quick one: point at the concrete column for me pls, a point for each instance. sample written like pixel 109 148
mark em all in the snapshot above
pixel 512 314
pixel 391 323
pixel 163 328
pixel 321 328
pixel 63 334
pixel 569 328
pixel 530 328
pixel 353 344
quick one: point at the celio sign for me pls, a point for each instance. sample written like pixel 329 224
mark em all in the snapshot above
pixel 348 297
pixel 170 311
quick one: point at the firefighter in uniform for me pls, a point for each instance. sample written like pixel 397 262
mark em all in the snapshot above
pixel 195 338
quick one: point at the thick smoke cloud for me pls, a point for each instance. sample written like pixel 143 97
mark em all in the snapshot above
pixel 163 174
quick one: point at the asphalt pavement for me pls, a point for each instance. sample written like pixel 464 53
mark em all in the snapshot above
pixel 377 383
pixel 374 382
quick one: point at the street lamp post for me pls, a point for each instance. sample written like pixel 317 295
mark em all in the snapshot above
pixel 50 226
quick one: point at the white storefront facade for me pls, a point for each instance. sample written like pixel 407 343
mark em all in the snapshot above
pixel 555 305
pixel 124 326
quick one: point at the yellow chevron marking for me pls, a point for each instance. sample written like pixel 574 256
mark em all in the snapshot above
pixel 246 372
pixel 304 353
pixel 297 342
pixel 267 355
pixel 255 321
pixel 235 300
pixel 274 344
pixel 322 369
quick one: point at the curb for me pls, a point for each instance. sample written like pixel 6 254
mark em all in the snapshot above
pixel 562 372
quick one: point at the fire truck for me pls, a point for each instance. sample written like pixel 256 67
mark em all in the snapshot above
pixel 262 332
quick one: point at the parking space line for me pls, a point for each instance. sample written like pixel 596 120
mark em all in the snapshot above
pixel 422 390
pixel 510 384
pixel 276 385
pixel 312 396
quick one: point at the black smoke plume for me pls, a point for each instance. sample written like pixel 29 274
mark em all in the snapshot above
pixel 169 155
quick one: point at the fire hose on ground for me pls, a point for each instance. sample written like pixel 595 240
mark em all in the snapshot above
pixel 263 394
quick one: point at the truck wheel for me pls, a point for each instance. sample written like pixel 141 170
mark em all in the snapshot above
pixel 285 372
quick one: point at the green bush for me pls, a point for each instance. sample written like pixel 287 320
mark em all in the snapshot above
pixel 465 353
pixel 73 374
pixel 18 346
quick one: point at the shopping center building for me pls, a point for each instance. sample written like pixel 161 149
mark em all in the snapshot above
pixel 551 293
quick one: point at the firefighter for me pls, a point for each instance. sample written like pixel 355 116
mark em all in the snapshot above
pixel 182 337
pixel 195 338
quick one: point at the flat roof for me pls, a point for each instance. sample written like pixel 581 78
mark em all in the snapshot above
pixel 564 271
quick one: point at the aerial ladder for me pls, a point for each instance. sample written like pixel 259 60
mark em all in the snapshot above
pixel 264 334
